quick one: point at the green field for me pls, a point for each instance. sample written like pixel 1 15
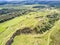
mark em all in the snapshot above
pixel 38 27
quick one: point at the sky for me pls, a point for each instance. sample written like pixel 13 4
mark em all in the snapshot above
pixel 23 0
pixel 11 0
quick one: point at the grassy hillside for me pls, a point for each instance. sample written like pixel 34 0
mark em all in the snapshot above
pixel 38 27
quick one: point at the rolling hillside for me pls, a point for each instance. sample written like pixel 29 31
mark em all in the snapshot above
pixel 36 24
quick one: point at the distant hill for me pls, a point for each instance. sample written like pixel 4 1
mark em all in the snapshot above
pixel 3 2
pixel 28 2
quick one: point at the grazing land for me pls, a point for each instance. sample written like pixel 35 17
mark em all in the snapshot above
pixel 35 24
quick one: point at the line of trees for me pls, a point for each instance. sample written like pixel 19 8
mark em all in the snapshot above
pixel 12 14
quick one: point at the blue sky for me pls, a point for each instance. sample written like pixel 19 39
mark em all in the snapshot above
pixel 11 0
pixel 22 0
